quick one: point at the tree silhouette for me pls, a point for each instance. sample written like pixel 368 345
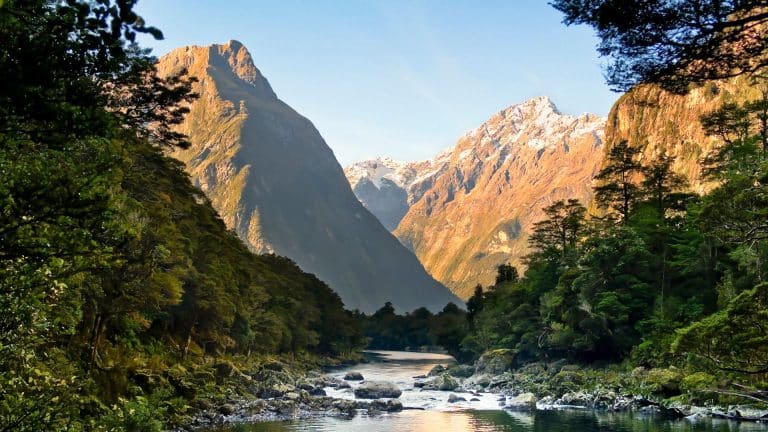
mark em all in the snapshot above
pixel 674 42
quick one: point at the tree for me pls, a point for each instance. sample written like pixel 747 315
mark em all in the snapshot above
pixel 661 186
pixel 735 212
pixel 558 235
pixel 613 282
pixel 734 339
pixel 475 305
pixel 616 189
pixel 506 273
pixel 674 42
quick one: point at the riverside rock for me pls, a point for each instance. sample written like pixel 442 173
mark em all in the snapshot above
pixel 353 376
pixel 377 390
pixel 443 382
pixel 522 402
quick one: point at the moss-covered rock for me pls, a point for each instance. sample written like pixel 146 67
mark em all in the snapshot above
pixel 664 381
pixel 495 362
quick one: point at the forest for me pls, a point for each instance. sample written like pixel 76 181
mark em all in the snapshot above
pixel 127 303
pixel 118 280
pixel 652 274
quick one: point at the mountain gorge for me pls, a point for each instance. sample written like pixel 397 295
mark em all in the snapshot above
pixel 277 184
pixel 472 207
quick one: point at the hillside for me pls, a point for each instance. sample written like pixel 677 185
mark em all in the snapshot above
pixel 277 184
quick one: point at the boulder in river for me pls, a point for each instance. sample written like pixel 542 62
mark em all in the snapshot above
pixel 452 398
pixel 390 405
pixel 354 376
pixel 444 382
pixel 522 402
pixel 437 370
pixel 377 390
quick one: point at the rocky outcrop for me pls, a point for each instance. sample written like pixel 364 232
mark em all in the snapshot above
pixel 277 184
pixel 661 122
pixel 475 207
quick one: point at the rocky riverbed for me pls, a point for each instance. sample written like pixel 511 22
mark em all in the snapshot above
pixel 403 381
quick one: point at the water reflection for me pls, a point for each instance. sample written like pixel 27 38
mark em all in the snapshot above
pixel 492 421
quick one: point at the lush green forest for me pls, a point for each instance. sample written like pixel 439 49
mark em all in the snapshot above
pixel 126 301
pixel 118 281
pixel 654 275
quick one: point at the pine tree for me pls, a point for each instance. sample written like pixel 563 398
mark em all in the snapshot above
pixel 616 189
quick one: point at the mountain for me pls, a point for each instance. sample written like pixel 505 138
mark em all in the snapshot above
pixel 388 188
pixel 662 122
pixel 472 208
pixel 277 184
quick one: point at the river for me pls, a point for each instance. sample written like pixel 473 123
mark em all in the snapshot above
pixel 435 414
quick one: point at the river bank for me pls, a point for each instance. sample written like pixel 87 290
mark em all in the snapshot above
pixel 435 383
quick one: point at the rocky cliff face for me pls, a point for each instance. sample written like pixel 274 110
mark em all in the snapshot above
pixel 274 181
pixel 658 121
pixel 472 208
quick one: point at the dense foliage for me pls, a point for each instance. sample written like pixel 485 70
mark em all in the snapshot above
pixel 674 42
pixel 657 276
pixel 114 269
pixel 417 330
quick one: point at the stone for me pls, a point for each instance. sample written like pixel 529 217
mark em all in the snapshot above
pixel 452 398
pixel 353 376
pixel 317 391
pixel 461 371
pixel 389 405
pixel 444 383
pixel 522 402
pixel 495 362
pixel 377 390
pixel 227 409
pixel 437 370
pixel 275 391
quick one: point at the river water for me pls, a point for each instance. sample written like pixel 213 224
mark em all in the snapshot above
pixel 435 414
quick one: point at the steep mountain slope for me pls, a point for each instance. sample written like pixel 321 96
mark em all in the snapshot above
pixel 475 206
pixel 276 183
pixel 659 121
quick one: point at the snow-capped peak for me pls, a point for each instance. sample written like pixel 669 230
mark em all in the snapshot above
pixel 375 170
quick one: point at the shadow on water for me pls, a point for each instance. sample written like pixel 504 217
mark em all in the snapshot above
pixel 491 421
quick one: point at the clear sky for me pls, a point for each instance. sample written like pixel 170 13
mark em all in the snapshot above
pixel 398 78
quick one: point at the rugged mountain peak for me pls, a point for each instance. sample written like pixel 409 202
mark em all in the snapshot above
pixel 230 61
pixel 537 123
pixel 277 184
pixel 472 207
pixel 376 170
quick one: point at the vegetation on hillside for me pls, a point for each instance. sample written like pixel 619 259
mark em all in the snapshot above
pixel 117 279
pixel 663 278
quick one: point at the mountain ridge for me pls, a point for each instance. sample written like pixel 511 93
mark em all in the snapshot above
pixel 474 208
pixel 277 184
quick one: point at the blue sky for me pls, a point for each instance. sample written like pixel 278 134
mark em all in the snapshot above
pixel 398 78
